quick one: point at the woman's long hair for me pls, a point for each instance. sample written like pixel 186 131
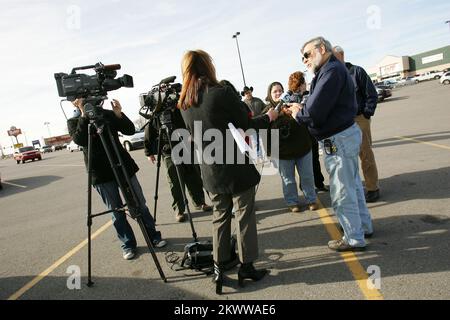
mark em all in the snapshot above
pixel 198 73
pixel 269 93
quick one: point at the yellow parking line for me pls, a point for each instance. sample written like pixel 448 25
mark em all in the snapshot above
pixel 47 271
pixel 349 258
pixel 423 142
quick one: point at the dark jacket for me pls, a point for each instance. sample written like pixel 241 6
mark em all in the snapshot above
pixel 101 169
pixel 331 107
pixel 366 94
pixel 256 105
pixel 294 140
pixel 152 131
pixel 217 107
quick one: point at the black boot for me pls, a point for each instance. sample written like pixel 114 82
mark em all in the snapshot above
pixel 218 278
pixel 248 271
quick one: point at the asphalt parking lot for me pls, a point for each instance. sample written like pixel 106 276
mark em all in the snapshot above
pixel 43 226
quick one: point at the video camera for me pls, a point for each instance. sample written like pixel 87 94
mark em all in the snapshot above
pixel 78 85
pixel 93 88
pixel 160 100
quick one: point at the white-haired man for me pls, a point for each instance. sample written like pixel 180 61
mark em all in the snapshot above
pixel 329 114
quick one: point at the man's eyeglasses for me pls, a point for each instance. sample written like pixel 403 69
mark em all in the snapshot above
pixel 307 54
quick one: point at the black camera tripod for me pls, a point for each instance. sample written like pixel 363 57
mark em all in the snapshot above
pixel 166 127
pixel 122 177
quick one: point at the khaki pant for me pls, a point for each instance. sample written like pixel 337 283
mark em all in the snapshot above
pixel 245 219
pixel 368 164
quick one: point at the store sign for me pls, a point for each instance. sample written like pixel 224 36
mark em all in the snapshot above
pixel 390 69
pixel 430 59
pixel 13 131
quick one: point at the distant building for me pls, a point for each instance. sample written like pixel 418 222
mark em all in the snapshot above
pixel 59 140
pixel 409 66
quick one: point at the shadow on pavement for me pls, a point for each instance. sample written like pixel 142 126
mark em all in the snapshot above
pixel 430 184
pixel 402 245
pixel 109 288
pixel 430 137
pixel 30 183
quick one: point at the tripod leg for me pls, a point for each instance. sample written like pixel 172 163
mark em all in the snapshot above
pixel 183 192
pixel 158 169
pixel 128 192
pixel 150 247
pixel 89 206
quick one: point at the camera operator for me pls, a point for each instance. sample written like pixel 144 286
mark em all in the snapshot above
pixel 103 179
pixel 190 173
pixel 329 113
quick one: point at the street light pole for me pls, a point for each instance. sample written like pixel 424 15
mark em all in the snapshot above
pixel 48 128
pixel 235 36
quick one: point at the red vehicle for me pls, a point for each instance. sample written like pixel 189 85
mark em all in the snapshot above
pixel 27 153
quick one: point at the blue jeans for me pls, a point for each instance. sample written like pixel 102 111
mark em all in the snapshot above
pixel 347 194
pixel 305 171
pixel 109 192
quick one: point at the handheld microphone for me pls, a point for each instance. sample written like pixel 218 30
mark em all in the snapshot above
pixel 285 98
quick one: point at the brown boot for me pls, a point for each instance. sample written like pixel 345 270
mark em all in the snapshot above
pixel 295 208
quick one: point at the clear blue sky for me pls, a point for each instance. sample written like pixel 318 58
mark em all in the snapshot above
pixel 148 38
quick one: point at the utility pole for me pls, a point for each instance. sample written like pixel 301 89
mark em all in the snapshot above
pixel 235 36
pixel 48 128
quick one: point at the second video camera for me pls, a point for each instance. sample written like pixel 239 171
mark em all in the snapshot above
pixel 161 97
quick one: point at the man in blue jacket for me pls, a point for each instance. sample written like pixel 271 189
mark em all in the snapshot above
pixel 366 97
pixel 329 114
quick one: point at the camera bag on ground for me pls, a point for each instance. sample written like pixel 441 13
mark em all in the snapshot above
pixel 198 256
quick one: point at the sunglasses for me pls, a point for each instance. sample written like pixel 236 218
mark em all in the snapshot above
pixel 307 54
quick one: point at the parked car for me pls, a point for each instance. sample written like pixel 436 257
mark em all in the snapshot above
pixel 59 147
pixel 391 83
pixel 45 149
pixel 432 75
pixel 136 141
pixel 72 146
pixel 383 92
pixel 445 79
pixel 405 82
pixel 27 153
